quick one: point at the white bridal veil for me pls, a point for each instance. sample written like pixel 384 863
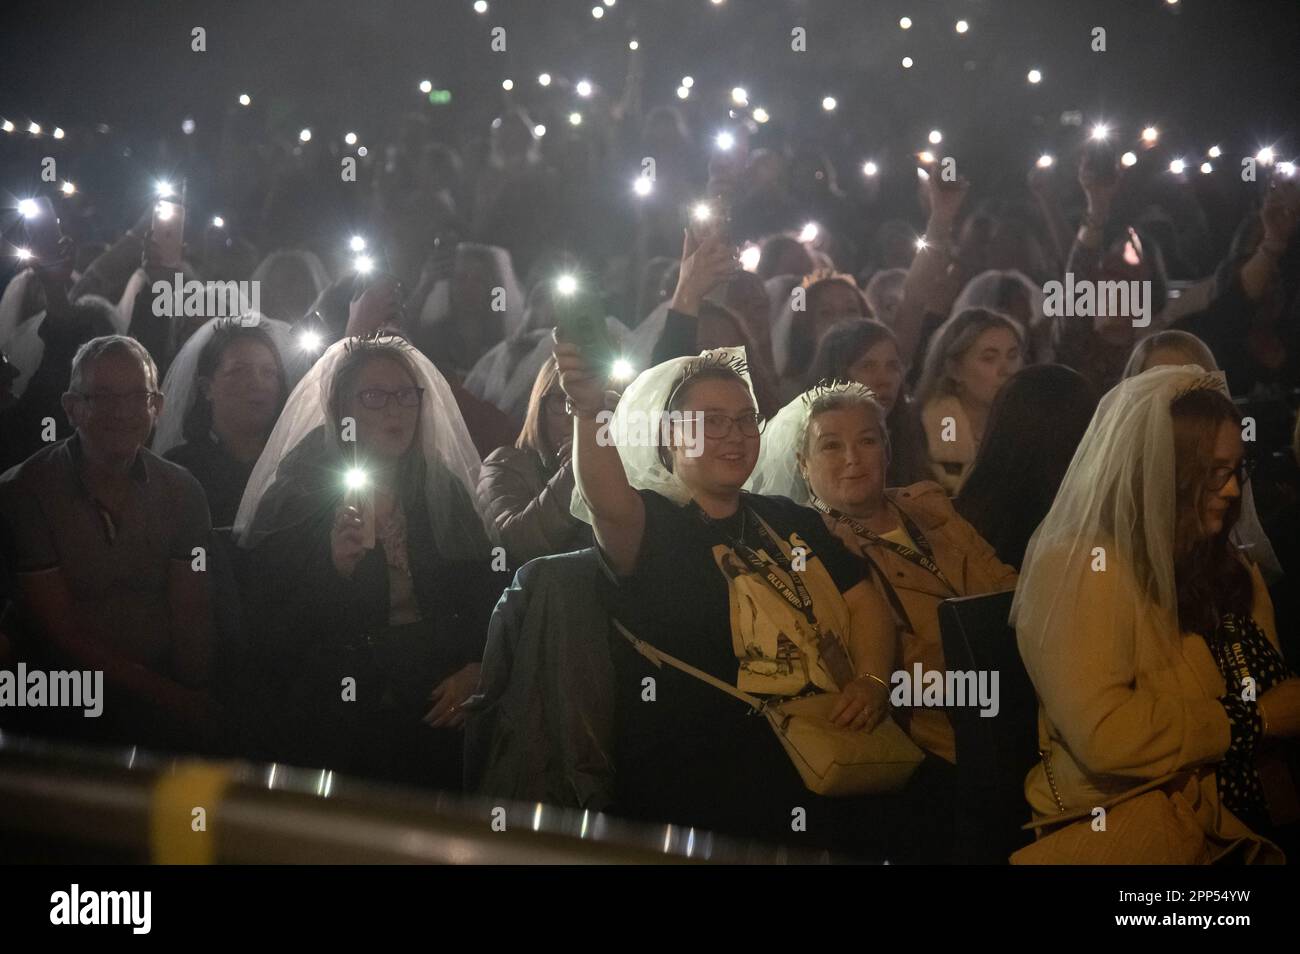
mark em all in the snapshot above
pixel 1114 513
pixel 777 472
pixel 448 452
pixel 637 417
pixel 179 385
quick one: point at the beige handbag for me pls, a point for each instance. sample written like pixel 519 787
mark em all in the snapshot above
pixel 832 760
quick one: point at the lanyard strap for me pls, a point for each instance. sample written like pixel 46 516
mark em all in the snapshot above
pixel 925 559
pixel 799 598
pixel 831 652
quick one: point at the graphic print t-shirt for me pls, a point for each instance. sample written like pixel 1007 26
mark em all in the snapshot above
pixel 677 734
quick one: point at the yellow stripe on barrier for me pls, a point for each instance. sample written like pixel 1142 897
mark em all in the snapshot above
pixel 179 834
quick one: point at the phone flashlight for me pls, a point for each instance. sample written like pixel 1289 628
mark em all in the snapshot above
pixel 724 141
pixel 356 479
pixel 1100 132
pixel 643 186
pixel 23 254
pixel 749 257
pixel 809 232
pixel 1045 161
pixel 28 208
pixel 566 284
pixel 622 370
pixel 357 243
pixel 364 264
pixel 702 212
pixel 164 189
pixel 68 188
pixel 309 341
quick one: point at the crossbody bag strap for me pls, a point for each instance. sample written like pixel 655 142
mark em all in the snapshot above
pixel 659 657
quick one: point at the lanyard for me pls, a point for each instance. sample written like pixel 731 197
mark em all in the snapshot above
pixel 924 559
pixel 830 649
pixel 799 598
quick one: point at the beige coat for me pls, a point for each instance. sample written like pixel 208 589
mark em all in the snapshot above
pixel 968 562
pixel 950 460
pixel 1122 705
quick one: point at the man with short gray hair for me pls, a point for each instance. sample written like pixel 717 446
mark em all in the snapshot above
pixel 105 545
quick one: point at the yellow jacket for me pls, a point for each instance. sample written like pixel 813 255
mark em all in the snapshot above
pixel 1120 705
pixel 968 562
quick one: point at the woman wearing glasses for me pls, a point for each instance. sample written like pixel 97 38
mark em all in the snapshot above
pixel 751 590
pixel 370 566
pixel 1150 640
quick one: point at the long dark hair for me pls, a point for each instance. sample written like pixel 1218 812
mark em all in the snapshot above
pixel 197 422
pixel 1034 428
pixel 1209 578
pixel 841 348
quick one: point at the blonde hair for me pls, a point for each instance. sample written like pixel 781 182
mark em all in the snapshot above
pixel 533 434
pixel 954 338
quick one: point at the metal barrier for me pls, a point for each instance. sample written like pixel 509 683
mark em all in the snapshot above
pixel 74 804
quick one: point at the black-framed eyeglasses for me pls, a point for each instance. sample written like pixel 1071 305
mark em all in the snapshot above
pixel 376 399
pixel 131 401
pixel 1220 476
pixel 718 426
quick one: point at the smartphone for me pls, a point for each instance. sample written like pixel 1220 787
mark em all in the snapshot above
pixel 168 230
pixel 43 232
pixel 580 320
pixel 363 498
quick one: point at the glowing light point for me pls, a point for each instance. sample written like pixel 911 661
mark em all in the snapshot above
pixel 905 23
pixel 1206 168
pixel 740 96
pixel 58 132
pixel 642 186
pixel 809 232
pixel 1150 134
pixel 961 26
pixel 480 6
pixel 1215 152
pixel 1100 132
pixel 357 243
pixel 539 130
pixel 1265 156
pixel 724 140
pixel 907 62
pixel 749 257
pixel 544 79
pixel 364 264
pixel 309 341
pixel 829 103
pixel 936 137
pixel 245 99
pixel 702 212
pixel 305 136
pixel 584 88
pixel 566 284
pixel 869 168
pixel 688 81
pixel 1177 167
pixel 426 86
pixel 68 188
pixel 1128 159
pixel 575 119
pixel 1045 161
pixel 622 370
pixel 683 92
pixel 218 222
pixel 1034 76
pixel 355 478
pixel 28 208
pixel 350 139
pixel 760 115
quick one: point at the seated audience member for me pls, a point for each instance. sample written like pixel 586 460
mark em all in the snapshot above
pixel 101 536
pixel 526 490
pixel 680 539
pixel 1169 348
pixel 970 359
pixel 828 298
pixel 370 575
pixel 1182 348
pixel 229 385
pixel 884 293
pixel 1034 427
pixel 830 448
pixel 1140 624
pixel 866 351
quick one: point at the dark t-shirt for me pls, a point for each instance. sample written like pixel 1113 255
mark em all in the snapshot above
pixel 694 755
pixel 221 476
